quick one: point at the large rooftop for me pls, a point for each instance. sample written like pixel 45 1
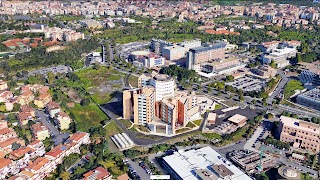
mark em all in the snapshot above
pixel 299 124
pixel 186 163
pixel 313 94
pixel 207 48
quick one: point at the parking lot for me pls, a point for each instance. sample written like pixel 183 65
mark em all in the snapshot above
pixel 136 171
pixel 247 84
pixel 261 132
pixel 54 70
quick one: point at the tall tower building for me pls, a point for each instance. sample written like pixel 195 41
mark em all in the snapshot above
pixel 144 105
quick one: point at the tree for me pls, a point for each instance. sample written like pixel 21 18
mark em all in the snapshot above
pixel 85 102
pixel 241 98
pixel 299 58
pixel 229 78
pixel 51 77
pixel 270 116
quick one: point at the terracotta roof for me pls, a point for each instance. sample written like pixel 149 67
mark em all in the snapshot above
pixel 63 114
pixel 26 108
pixel 77 136
pixel 5 131
pixel 38 127
pixel 98 173
pixel 20 152
pixel 24 116
pixel 123 177
pixel 56 151
pixel 38 163
pixel 43 96
pixel 34 142
pixel 8 142
pixel 4 162
pixel 53 105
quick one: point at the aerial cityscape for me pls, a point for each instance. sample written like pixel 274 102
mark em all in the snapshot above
pixel 160 89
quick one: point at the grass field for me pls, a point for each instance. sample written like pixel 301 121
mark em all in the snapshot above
pixel 182 130
pixel 211 135
pixel 190 125
pixel 95 78
pixel 112 129
pixel 101 98
pixel 197 122
pixel 87 116
pixel 133 81
pixel 126 123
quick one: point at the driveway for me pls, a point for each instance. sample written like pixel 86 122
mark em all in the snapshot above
pixel 57 137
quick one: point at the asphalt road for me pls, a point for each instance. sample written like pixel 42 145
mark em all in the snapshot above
pixel 57 137
pixel 284 80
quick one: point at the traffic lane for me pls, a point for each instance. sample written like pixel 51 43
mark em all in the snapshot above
pixel 140 171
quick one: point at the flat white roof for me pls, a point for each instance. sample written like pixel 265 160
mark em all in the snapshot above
pixel 295 123
pixel 237 118
pixel 212 116
pixel 186 162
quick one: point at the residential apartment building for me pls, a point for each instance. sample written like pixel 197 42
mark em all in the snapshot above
pixel 40 132
pixel 144 105
pixel 127 103
pixel 164 85
pixel 5 166
pixel 310 99
pixel 300 134
pixel 53 108
pixel 98 173
pixel 7 133
pixel 63 120
pixel 3 85
pixel 42 100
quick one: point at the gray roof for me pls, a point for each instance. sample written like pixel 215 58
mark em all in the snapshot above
pixel 207 48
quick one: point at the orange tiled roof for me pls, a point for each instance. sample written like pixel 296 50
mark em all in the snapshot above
pixel 4 162
pixel 8 142
pixel 20 152
pixel 77 136
pixel 5 131
pixel 38 163
pixel 56 151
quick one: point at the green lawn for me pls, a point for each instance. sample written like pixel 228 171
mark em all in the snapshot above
pixel 101 98
pixel 133 80
pixel 218 106
pixel 190 125
pixel 182 130
pixel 126 123
pixel 291 87
pixel 95 78
pixel 112 129
pixel 211 135
pixel 197 122
pixel 87 116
